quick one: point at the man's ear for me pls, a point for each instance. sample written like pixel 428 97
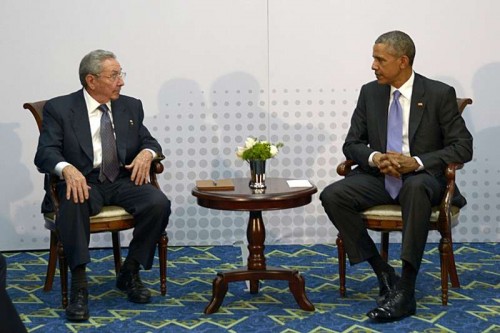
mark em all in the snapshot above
pixel 90 79
pixel 405 62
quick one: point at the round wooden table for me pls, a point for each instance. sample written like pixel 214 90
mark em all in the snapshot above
pixel 277 195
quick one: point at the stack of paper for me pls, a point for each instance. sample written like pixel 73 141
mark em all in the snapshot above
pixel 299 183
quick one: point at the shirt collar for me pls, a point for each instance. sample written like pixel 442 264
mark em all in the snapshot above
pixel 91 103
pixel 407 87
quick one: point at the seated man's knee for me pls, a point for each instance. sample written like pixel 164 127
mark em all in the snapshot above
pixel 413 184
pixel 330 194
pixel 419 186
pixel 159 202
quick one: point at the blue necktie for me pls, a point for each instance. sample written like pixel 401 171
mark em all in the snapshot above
pixel 394 141
pixel 110 167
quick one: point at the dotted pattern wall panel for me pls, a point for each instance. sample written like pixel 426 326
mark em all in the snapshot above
pixel 203 128
pixel 200 131
pixel 211 73
pixel 312 122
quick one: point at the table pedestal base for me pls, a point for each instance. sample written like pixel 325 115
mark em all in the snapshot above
pixel 295 281
pixel 277 195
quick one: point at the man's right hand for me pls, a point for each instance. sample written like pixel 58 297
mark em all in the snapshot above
pixel 76 184
pixel 387 164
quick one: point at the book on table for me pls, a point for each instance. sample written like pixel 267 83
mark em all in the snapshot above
pixel 215 185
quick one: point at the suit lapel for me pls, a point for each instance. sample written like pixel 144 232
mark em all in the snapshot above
pixel 120 123
pixel 81 125
pixel 417 107
pixel 382 108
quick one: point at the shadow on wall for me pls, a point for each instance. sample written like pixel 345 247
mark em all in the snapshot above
pixel 15 182
pixel 479 184
pixel 188 132
pixel 200 130
pixel 181 106
pixel 486 123
pixel 235 106
pixel 486 131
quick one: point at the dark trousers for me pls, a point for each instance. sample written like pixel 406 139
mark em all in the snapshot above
pixel 149 206
pixel 10 320
pixel 343 200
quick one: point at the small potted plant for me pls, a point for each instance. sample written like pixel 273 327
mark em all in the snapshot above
pixel 256 152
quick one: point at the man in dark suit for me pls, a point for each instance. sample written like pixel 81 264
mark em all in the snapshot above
pixel 430 133
pixel 11 322
pixel 95 140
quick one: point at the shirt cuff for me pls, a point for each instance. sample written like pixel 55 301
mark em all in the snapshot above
pixel 419 161
pixel 152 152
pixel 370 159
pixel 59 168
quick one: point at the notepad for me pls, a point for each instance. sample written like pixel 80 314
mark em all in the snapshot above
pixel 299 183
pixel 215 185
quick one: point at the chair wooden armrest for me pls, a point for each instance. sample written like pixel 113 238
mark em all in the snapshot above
pixel 156 168
pixel 345 167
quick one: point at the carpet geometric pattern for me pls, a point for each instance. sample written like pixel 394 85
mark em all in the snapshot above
pixel 475 307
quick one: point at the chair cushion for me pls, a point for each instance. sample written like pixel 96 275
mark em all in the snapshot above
pixel 393 212
pixel 108 213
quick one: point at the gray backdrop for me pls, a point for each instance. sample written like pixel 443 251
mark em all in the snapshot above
pixel 211 73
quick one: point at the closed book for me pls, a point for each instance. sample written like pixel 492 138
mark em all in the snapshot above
pixel 215 185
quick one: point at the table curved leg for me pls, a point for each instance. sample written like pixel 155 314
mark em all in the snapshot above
pixel 254 286
pixel 256 235
pixel 219 290
pixel 297 286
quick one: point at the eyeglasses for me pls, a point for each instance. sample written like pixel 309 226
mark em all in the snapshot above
pixel 114 76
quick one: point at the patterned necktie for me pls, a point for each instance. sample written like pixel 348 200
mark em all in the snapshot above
pixel 394 141
pixel 109 165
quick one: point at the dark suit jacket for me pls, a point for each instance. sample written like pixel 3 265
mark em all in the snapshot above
pixel 65 134
pixel 437 132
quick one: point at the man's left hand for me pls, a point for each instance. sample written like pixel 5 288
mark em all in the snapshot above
pixel 140 167
pixel 406 163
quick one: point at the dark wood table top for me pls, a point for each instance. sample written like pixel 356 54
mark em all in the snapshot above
pixel 277 195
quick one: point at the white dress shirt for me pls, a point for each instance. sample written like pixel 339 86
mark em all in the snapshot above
pixel 405 101
pixel 95 123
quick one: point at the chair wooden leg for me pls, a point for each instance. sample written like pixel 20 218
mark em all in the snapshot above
pixel 51 266
pixel 384 245
pixel 63 271
pixel 117 251
pixel 444 251
pixel 342 263
pixel 452 268
pixel 162 254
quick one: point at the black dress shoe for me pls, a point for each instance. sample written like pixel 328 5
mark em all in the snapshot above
pixel 386 283
pixel 78 309
pixel 131 283
pixel 398 305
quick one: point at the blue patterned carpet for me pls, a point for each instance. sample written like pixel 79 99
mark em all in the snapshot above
pixel 473 308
